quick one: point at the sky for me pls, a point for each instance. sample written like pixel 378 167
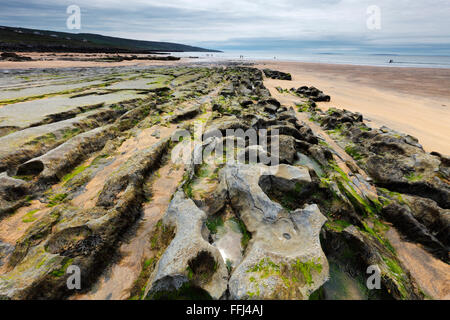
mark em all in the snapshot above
pixel 402 26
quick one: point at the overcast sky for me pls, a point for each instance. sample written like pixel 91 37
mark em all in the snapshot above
pixel 406 25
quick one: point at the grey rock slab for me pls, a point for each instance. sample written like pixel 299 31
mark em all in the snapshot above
pixel 171 271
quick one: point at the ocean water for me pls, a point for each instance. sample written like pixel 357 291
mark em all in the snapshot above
pixel 416 61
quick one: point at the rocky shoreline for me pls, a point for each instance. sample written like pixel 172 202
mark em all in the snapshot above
pixel 79 179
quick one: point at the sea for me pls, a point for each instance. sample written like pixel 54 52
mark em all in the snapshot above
pixel 363 59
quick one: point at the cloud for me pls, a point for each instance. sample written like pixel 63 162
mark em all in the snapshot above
pixel 404 23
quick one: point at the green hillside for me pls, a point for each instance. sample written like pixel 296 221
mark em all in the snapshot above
pixel 21 39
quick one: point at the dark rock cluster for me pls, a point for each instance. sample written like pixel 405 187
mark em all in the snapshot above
pixel 118 58
pixel 11 56
pixel 413 183
pixel 273 74
pixel 334 118
pixel 312 93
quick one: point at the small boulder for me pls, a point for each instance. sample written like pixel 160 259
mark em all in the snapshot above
pixel 277 75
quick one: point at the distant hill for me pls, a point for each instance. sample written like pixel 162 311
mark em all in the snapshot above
pixel 21 39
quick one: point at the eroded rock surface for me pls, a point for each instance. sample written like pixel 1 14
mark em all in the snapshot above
pixel 271 206
pixel 189 257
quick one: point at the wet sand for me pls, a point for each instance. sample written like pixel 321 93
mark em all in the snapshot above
pixel 410 100
pixel 431 274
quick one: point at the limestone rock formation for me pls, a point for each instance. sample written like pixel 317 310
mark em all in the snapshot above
pixel 189 258
pixel 194 182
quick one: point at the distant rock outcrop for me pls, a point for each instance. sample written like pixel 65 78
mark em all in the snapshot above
pixel 11 56
pixel 273 74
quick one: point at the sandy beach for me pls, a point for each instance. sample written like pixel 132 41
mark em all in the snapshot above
pixel 410 100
